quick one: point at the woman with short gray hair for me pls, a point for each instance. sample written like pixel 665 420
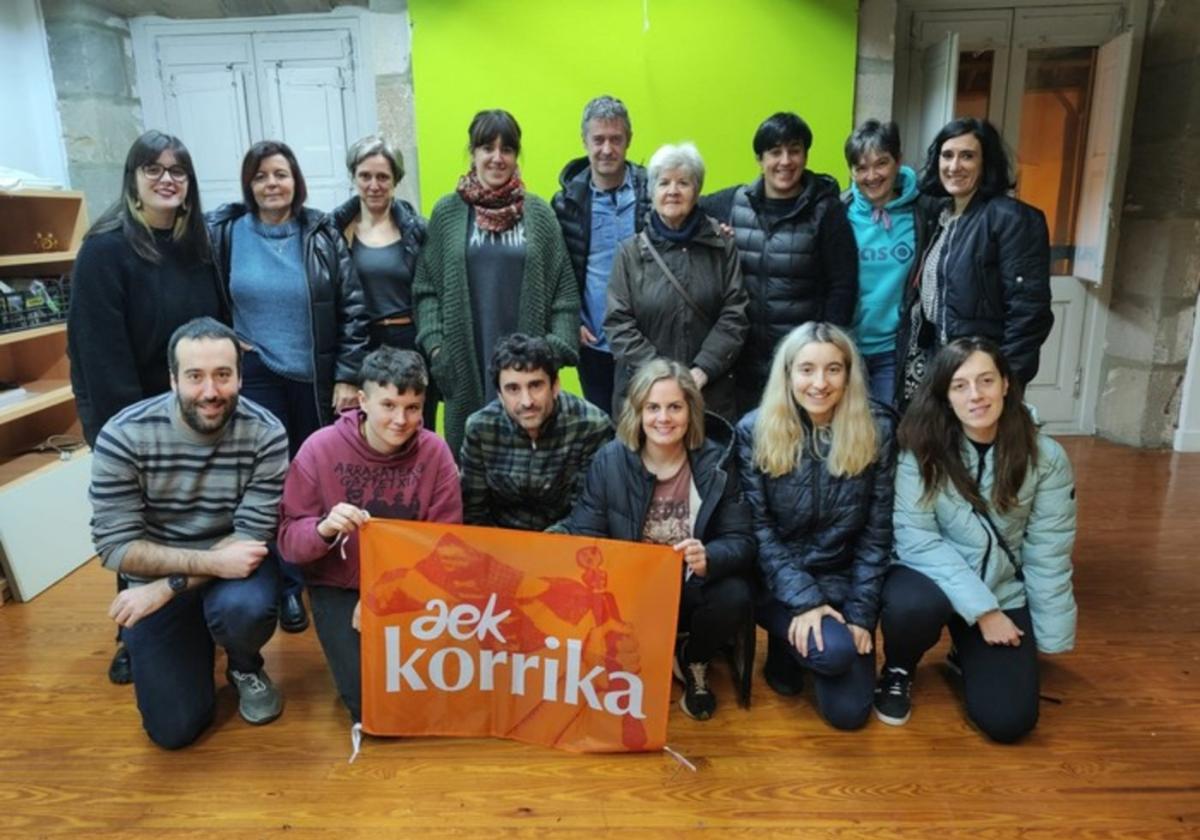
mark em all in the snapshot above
pixel 384 234
pixel 676 287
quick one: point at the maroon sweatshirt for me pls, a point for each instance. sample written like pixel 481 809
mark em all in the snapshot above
pixel 420 482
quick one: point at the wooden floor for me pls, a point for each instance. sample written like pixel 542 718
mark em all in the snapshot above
pixel 1117 756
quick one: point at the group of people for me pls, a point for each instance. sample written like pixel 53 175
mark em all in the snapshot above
pixel 814 397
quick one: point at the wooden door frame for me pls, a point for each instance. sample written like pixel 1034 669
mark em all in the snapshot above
pixel 1098 298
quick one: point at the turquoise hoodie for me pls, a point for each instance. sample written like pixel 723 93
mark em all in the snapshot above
pixel 885 258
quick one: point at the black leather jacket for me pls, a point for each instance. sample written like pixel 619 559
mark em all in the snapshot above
pixel 994 280
pixel 618 491
pixel 573 206
pixel 823 539
pixel 339 323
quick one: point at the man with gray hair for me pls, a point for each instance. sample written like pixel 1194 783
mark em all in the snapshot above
pixel 603 201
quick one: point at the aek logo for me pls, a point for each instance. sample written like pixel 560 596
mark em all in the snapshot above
pixel 901 252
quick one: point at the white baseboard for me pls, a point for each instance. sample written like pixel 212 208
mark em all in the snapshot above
pixel 1187 440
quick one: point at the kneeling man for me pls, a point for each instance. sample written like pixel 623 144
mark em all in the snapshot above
pixel 375 460
pixel 526 453
pixel 185 495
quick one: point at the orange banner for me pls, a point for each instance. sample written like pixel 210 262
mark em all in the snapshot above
pixel 544 638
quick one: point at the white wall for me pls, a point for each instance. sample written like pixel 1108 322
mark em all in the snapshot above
pixel 1187 436
pixel 32 138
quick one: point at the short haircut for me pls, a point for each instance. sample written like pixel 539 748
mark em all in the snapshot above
pixel 486 126
pixel 605 108
pixel 873 136
pixel 403 369
pixel 525 353
pixel 780 129
pixel 371 145
pixel 259 152
pixel 683 156
pixel 629 424
pixel 196 329
pixel 995 178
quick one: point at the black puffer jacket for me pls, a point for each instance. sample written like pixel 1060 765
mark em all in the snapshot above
pixel 801 267
pixel 994 281
pixel 339 324
pixel 823 539
pixel 618 491
pixel 573 206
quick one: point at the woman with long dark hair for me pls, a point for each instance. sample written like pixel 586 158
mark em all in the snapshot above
pixel 297 308
pixel 986 270
pixel 984 525
pixel 144 268
pixel 817 465
pixel 670 478
pixel 494 264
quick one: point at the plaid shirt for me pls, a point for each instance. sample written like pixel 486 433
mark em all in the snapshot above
pixel 511 481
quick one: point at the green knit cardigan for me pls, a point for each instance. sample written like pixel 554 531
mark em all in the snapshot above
pixel 549 303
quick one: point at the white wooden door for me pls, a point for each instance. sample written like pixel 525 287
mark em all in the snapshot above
pixel 221 86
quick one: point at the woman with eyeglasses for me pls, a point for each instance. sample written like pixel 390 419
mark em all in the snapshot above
pixel 144 268
pixel 297 308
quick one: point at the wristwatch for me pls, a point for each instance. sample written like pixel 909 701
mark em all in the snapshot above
pixel 177 583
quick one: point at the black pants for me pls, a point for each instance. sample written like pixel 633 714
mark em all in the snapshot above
pixel 404 337
pixel 332 609
pixel 710 612
pixel 1000 683
pixel 596 373
pixel 844 679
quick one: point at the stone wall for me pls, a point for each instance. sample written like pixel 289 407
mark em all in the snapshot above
pixel 874 76
pixel 391 50
pixel 1157 272
pixel 91 57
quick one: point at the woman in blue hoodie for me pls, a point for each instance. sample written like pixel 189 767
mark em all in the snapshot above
pixel 889 228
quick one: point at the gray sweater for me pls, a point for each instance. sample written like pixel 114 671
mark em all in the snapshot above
pixel 156 479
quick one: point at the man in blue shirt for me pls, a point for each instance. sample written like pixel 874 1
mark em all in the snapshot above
pixel 603 201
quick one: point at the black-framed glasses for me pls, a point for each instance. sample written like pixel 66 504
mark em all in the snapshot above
pixel 155 171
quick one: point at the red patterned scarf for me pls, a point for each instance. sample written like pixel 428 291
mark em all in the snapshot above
pixel 496 210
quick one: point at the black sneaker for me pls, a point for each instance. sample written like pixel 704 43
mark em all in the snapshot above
pixel 781 671
pixel 698 701
pixel 293 618
pixel 120 671
pixel 893 705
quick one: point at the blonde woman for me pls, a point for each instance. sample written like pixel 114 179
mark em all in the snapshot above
pixel 670 478
pixel 817 467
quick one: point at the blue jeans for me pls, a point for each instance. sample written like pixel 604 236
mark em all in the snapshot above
pixel 881 376
pixel 172 651
pixel 844 678
pixel 294 404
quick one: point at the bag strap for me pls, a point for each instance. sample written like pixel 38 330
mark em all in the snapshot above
pixel 644 241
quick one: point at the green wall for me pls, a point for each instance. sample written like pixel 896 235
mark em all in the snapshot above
pixel 703 70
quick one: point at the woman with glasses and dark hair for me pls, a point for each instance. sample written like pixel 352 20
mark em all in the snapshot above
pixel 384 234
pixel 494 264
pixel 670 478
pixel 986 270
pixel 144 268
pixel 984 527
pixel 297 308
pixel 817 465
pixel 888 219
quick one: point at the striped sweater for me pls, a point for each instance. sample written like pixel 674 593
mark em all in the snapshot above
pixel 154 478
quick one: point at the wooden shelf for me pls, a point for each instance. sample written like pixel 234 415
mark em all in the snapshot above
pixel 18 468
pixel 40 258
pixel 17 336
pixel 43 394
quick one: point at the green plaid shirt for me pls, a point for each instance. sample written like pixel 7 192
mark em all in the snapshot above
pixel 511 481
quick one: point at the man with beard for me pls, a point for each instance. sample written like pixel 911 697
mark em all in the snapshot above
pixel 185 495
